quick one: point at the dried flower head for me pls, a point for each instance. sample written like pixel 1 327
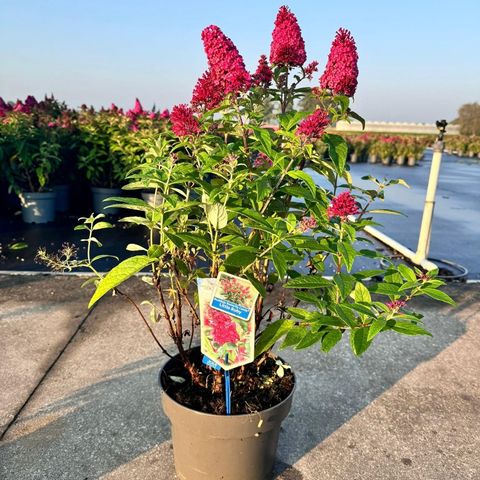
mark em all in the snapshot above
pixel 262 161
pixel 307 223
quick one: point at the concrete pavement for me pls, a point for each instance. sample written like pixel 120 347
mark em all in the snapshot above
pixel 408 409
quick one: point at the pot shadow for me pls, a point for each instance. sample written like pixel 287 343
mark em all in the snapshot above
pixel 91 432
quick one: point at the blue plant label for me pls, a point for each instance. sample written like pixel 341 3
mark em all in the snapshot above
pixel 210 363
pixel 231 308
pixel 235 296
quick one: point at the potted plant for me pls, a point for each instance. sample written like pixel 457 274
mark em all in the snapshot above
pixel 237 197
pixel 98 161
pixel 31 155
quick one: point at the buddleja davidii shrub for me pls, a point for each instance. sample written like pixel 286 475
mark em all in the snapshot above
pixel 239 196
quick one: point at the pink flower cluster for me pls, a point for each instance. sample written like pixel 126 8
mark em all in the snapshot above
pixel 396 305
pixel 206 93
pixel 262 161
pixel 263 75
pixel 224 329
pixel 183 121
pixel 287 47
pixel 341 72
pixel 313 126
pixel 307 223
pixel 310 69
pixel 342 206
pixel 20 107
pixel 226 70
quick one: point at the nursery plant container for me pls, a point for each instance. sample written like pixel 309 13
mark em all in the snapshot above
pixel 62 203
pixel 38 207
pixel 353 158
pixel 386 160
pixel 401 160
pixel 99 195
pixel 223 447
pixel 150 198
pixel 372 158
pixel 412 161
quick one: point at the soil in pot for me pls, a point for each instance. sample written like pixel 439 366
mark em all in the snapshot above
pixel 255 387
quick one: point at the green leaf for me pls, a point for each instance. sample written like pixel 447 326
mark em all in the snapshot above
pixel 102 226
pixel 301 175
pixel 279 262
pixel 361 293
pixel 155 251
pixel 409 329
pixel 359 340
pixel 407 273
pixel 438 295
pixel 240 256
pixel 384 288
pixel 216 215
pixel 257 284
pixel 348 254
pixel 308 281
pixel 345 283
pixel 117 275
pixel 193 239
pixel 346 314
pixel 309 339
pixel 387 211
pixel 133 247
pixel 294 336
pixel 263 136
pixel 290 119
pixel 271 334
pixel 356 116
pixel 376 327
pixel 337 150
pixel 331 339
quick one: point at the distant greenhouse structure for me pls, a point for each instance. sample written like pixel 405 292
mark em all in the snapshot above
pixel 395 127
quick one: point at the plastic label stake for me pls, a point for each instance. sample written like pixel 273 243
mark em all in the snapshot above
pixel 228 393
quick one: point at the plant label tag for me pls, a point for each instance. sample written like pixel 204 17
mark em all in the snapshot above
pixel 234 295
pixel 210 363
pixel 226 340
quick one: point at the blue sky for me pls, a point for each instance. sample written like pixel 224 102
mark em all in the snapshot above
pixel 419 60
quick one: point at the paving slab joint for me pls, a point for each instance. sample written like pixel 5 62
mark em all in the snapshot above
pixel 44 376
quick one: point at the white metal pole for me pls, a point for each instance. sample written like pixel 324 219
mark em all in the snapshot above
pixel 426 226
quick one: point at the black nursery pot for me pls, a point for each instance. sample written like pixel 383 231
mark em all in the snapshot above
pixel 222 447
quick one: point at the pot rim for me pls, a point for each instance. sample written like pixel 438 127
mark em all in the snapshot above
pixel 45 194
pixel 212 415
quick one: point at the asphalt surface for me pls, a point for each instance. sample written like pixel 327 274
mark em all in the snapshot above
pixel 90 409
